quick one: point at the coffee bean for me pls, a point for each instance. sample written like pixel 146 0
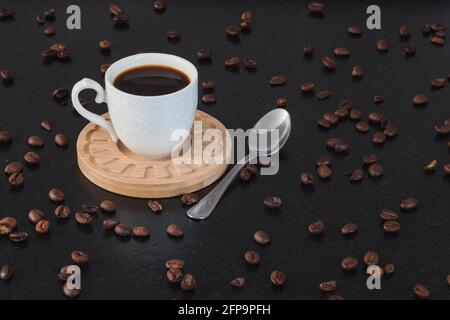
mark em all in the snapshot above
pixel 71 292
pixel 232 62
pixel 203 54
pixel 140 232
pixel 331 117
pixel 378 99
pixel 272 202
pixel 375 170
pixel 356 175
pixel 404 32
pixel 261 237
pixel 447 168
pixel 155 206
pixel 246 16
pixel 159 5
pixel 208 85
pixel 174 230
pixel 79 257
pixel 189 282
pixel 342 112
pixel 6 13
pixel 431 166
pixel 391 226
pixel 390 131
pixel 114 9
pixel 238 282
pixel 108 206
pixel 421 291
pixel 89 208
pixel 175 264
pixel 62 212
pixel 379 137
pixel 46 125
pixel 121 19
pixel 104 67
pixel 174 275
pixel 56 195
pixel 357 71
pixel 426 29
pixel 349 228
pixel 281 102
pixel 35 215
pixel 437 26
pixel 13 167
pixel 6 75
pixel 245 25
pixel 48 54
pixel 410 49
pixel 323 94
pixel 61 95
pixel 245 174
pixel 189 199
pixel 308 49
pixel 342 52
pixel 232 31
pixel 349 263
pixel 49 31
pixel 277 80
pixel 354 30
pixel 369 159
pixel 331 142
pixel 388 215
pixel 31 157
pixel 64 273
pixel 5 229
pixel 10 222
pixel 6 272
pixel 57 47
pixel 382 45
pixel 324 123
pixel 371 258
pixel 306 179
pixel 122 230
pixel 307 87
pixel 83 218
pixel 389 269
pixel 328 286
pixel 329 63
pixel 209 98
pixel 409 204
pixel 440 34
pixel 277 278
pixel 104 44
pixel 324 172
pixel 5 137
pixel 50 14
pixel 437 41
pixel 341 146
pixel 109 224
pixel 42 226
pixel 16 180
pixel 18 236
pixel 375 117
pixel 35 141
pixel 64 54
pixel 420 99
pixel 316 7
pixel 323 161
pixel 442 129
pixel 317 227
pixel 438 82
pixel 252 257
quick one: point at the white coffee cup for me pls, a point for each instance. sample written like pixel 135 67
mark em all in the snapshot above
pixel 144 124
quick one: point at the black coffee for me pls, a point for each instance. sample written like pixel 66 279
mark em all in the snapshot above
pixel 151 80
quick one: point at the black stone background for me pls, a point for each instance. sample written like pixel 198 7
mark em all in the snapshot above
pixel 214 249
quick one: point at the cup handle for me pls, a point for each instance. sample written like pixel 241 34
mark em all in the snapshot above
pixel 92 117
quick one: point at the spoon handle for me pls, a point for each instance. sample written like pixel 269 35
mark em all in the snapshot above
pixel 205 207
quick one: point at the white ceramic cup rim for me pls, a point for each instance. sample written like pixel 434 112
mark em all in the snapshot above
pixel 110 75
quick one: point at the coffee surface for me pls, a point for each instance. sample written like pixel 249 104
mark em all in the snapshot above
pixel 151 80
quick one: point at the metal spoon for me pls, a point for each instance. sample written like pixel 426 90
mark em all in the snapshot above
pixel 275 119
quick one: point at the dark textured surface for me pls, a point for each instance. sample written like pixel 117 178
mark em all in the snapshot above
pixel 214 249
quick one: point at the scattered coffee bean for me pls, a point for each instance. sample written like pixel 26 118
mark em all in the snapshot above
pixel 378 99
pixel 122 230
pixel 6 75
pixel 203 54
pixel 324 172
pixel 323 161
pixel 447 168
pixel 389 269
pixel 261 237
pixel 390 131
pixel 174 275
pixel 323 94
pixel 341 146
pixel 281 102
pixel 438 82
pixel 4 229
pixel 175 264
pixel 79 257
pixel 437 26
pixel 421 291
pixel 328 286
pixel 62 212
pixel 369 159
pixel 42 226
pixel 16 180
pixel 56 195
pixel 277 80
pixel 391 226
pixel 209 98
pixel 272 202
pixel 89 208
pixel 232 31
pixel 155 206
pixel 325 124
pixel 410 49
pixel 232 62
pixel 331 117
pixel 388 215
pixel 140 232
pixel 71 292
pixel 31 157
pixel 245 174
pixel 307 87
pixel 420 99
pixel 109 224
pixel 308 49
pixel 174 230
pixel 357 175
pixel 108 206
pixel 46 125
pixel 35 215
pixel 317 227
pixel 442 129
pixel 357 71
pixel 104 67
pixel 49 31
pixel 342 52
pixel 18 236
pixel 371 258
pixel 349 263
pixel 382 45
pixel 189 199
pixel 61 95
pixel 10 222
pixel 13 167
pixel 6 272
pixel 35 141
pixel 329 63
pixel 354 30
pixel 404 32
pixel 6 13
pixel 252 257
pixel 238 282
pixel 50 14
pixel 83 218
pixel 379 137
pixel 5 137
pixel 375 170
pixel 277 278
pixel 409 204
pixel 437 41
pixel 173 36
pixel 189 282
pixel 64 273
pixel 431 166
pixel 104 44
pixel 159 5
pixel 306 178
pixel 349 229
pixel 114 9
pixel 208 85
pixel 355 114
pixel 121 19
pixel 342 112
pixel 316 7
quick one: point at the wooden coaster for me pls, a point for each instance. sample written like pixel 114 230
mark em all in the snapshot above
pixel 113 167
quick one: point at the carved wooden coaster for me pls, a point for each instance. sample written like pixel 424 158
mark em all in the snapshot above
pixel 113 167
